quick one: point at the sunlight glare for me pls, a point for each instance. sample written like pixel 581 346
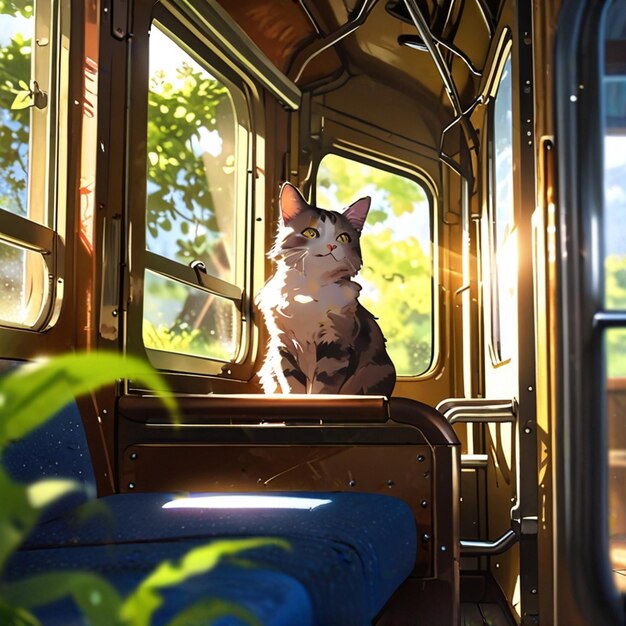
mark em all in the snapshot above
pixel 246 502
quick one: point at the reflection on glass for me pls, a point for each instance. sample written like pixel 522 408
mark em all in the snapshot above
pixel 180 318
pixel 614 235
pixel 615 346
pixel 397 260
pixel 23 284
pixel 191 161
pixel 504 312
pixel 16 34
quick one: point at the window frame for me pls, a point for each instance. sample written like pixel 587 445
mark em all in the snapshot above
pixel 581 488
pixel 392 166
pixel 195 37
pixel 47 172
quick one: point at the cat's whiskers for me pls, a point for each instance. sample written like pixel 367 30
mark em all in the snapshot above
pixel 294 257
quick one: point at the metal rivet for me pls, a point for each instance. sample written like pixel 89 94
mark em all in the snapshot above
pixel 105 412
pixel 390 483
pixel 352 483
pixel 527 430
pixel 533 590
pixel 530 387
pixel 114 312
pixel 420 458
pixel 131 485
pixel 442 548
pixel 133 456
pixel 424 503
pixel 425 538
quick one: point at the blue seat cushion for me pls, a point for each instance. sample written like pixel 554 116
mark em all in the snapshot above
pixel 57 449
pixel 350 554
pixel 272 597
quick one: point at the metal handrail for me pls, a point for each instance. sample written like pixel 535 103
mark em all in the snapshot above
pixel 304 57
pixel 478 410
pixel 482 411
pixel 471 547
pixel 444 72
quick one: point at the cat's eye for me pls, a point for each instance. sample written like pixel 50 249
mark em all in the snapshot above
pixel 344 238
pixel 310 233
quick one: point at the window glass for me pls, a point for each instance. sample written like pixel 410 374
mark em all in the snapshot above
pixel 196 167
pixel 397 254
pixel 24 283
pixel 26 162
pixel 181 318
pixel 614 228
pixel 504 272
pixel 16 35
pixel 191 161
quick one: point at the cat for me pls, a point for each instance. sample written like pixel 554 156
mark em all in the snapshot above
pixel 321 339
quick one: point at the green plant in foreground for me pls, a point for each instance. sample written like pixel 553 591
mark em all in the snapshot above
pixel 31 395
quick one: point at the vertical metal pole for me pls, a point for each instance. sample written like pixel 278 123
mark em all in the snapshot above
pixel 524 152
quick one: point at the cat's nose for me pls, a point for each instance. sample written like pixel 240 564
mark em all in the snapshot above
pixel 331 246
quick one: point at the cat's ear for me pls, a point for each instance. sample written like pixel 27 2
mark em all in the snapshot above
pixel 356 213
pixel 291 202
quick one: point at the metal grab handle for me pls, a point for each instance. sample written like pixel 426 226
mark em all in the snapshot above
pixel 478 410
pixel 471 547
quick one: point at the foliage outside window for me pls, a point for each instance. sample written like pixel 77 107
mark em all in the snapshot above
pixel 397 259
pixel 24 215
pixel 194 150
pixel 504 270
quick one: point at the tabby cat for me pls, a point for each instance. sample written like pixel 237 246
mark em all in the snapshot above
pixel 321 339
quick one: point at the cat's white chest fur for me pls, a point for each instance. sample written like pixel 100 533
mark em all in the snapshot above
pixel 306 311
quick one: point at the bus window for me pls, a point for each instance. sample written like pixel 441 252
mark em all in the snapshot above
pixel 614 89
pixel 397 273
pixel 26 235
pixel 503 242
pixel 195 171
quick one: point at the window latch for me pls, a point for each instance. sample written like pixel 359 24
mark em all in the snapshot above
pixel 30 96
pixel 199 268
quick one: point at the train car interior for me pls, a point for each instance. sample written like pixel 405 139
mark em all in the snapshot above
pixel 144 151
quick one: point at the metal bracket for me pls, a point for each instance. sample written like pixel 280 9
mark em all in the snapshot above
pixel 120 18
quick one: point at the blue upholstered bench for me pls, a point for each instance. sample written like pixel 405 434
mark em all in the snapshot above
pixel 347 556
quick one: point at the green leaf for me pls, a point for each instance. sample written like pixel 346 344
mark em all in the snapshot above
pixel 16 616
pixel 139 607
pixel 17 516
pixel 95 597
pixel 207 611
pixel 43 492
pixel 376 216
pixel 22 100
pixel 34 392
